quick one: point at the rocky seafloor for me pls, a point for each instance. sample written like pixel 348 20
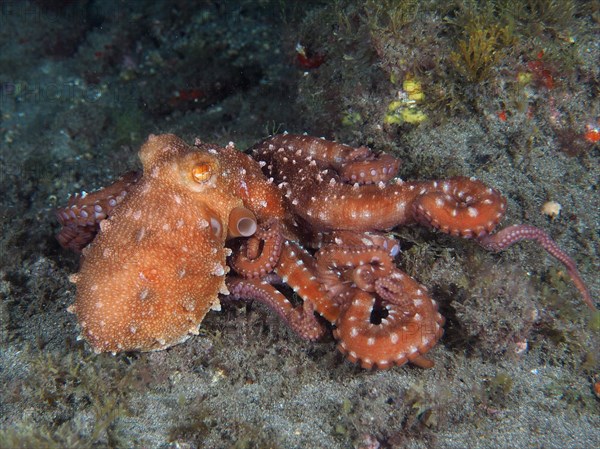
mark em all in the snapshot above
pixel 504 91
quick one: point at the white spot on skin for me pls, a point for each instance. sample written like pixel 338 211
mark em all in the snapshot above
pixel 140 235
pixel 189 304
pixel 472 212
pixel 218 270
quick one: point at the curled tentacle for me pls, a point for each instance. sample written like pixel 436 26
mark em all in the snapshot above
pixel 308 170
pixel 301 318
pixel 509 236
pixel 365 277
pixel 297 269
pixel 81 217
pixel 461 206
pixel 385 332
pixel 342 268
pixel 260 253
pixel 391 289
pixel 315 176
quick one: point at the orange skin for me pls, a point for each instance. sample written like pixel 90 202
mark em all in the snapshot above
pixel 159 262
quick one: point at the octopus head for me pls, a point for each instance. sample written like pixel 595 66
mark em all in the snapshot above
pixel 199 171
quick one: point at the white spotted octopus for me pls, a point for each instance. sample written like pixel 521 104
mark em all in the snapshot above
pixel 298 213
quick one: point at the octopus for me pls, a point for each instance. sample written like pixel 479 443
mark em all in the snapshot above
pixel 298 223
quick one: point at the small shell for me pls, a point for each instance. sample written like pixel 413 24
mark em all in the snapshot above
pixel 551 209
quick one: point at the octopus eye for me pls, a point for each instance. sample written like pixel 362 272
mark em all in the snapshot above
pixel 201 173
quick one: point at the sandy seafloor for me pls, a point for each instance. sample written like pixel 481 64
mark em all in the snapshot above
pixel 82 85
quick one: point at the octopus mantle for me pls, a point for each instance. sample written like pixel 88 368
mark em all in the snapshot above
pixel 298 212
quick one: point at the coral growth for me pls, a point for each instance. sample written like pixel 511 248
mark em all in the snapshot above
pixel 480 49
